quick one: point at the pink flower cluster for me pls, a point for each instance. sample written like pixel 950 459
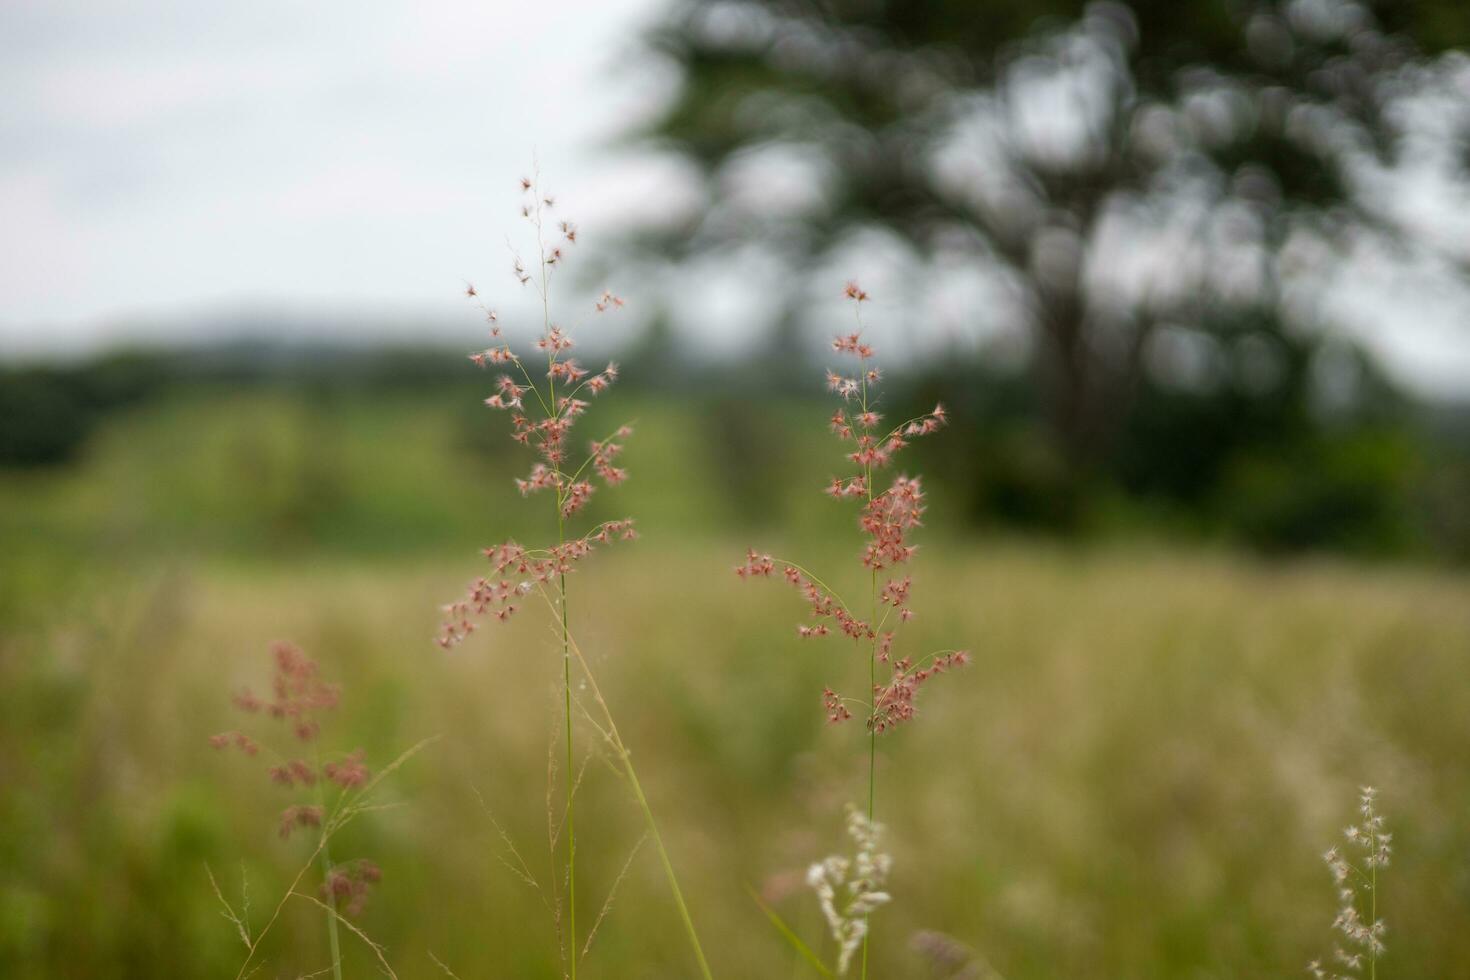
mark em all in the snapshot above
pixel 240 740
pixel 293 773
pixel 886 520
pixel 299 697
pixel 347 885
pixel 558 409
pixel 894 703
pixel 542 417
pixel 498 597
pixel 348 772
pixel 300 816
pixel 836 710
pixel 823 605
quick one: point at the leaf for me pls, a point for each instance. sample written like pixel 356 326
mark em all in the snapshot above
pixel 791 937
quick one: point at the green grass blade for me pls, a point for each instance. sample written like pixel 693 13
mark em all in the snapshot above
pixel 791 937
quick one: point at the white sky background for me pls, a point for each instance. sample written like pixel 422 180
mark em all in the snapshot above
pixel 162 158
pixel 163 163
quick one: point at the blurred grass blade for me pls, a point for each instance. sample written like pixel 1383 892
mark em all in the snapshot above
pixel 791 937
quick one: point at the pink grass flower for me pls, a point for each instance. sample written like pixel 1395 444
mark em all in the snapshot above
pixel 887 520
pixel 546 394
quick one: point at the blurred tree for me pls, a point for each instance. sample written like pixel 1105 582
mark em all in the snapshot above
pixel 47 412
pixel 1144 179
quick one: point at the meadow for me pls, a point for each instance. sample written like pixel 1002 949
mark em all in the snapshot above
pixel 1135 778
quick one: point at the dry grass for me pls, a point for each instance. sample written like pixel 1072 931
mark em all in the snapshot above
pixel 1133 780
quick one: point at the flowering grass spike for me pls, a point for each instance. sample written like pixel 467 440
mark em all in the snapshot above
pixel 545 393
pixel 886 518
pixel 1355 874
pixel 332 793
pixel 849 889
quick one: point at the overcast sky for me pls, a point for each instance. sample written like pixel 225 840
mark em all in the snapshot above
pixel 163 159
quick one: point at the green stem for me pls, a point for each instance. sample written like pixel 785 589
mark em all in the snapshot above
pixel 566 690
pixel 1373 901
pixel 566 664
pixel 872 669
pixel 626 758
pixel 554 412
pixel 663 857
pixel 326 853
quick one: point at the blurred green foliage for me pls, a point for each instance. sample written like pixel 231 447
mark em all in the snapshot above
pixel 1009 138
pixel 342 451
pixel 46 412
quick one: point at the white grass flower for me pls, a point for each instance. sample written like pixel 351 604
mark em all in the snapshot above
pixel 1355 874
pixel 849 890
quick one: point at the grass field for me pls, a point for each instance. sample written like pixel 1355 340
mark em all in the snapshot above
pixel 1135 778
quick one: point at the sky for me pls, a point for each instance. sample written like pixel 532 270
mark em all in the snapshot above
pixel 164 163
pixel 159 158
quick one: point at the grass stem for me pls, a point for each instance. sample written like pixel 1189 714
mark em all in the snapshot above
pixel 326 857
pixel 625 757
